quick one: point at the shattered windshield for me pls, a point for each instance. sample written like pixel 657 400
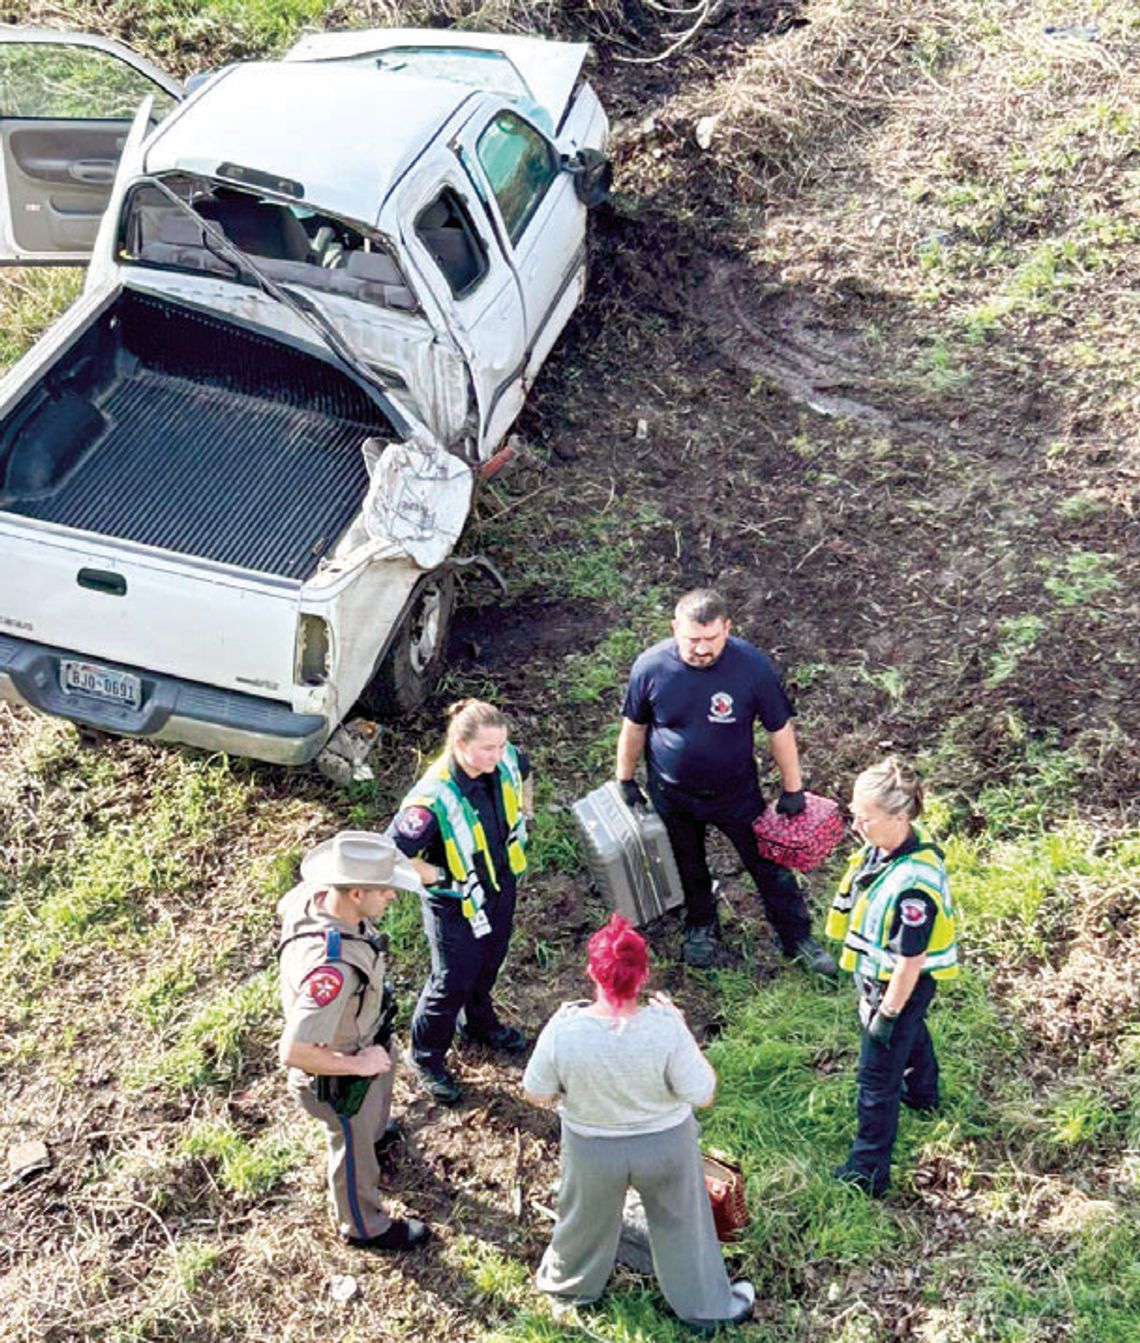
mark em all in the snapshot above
pixel 289 243
pixel 489 70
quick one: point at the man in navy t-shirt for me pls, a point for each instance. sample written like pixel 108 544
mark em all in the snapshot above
pixel 690 709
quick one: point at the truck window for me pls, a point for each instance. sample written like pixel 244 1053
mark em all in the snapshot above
pixel 445 229
pixel 520 165
pixel 41 80
pixel 288 242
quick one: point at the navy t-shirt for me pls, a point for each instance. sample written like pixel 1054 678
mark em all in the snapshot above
pixel 701 719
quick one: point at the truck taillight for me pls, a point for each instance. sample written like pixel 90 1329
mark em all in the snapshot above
pixel 313 650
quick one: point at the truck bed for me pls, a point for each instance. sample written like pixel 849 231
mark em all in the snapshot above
pixel 180 430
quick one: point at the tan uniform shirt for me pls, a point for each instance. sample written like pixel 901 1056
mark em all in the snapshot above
pixel 329 1002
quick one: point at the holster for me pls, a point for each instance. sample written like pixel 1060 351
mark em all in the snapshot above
pixel 870 996
pixel 345 1094
pixel 387 1018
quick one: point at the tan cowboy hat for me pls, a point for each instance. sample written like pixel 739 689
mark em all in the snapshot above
pixel 359 858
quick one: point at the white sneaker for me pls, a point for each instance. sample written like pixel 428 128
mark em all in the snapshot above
pixel 745 1295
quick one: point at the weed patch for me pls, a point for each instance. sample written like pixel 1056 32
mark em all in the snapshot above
pixel 212 1048
pixel 245 1168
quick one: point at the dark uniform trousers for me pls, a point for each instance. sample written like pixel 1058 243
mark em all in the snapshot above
pixel 906 1070
pixel 463 972
pixel 687 820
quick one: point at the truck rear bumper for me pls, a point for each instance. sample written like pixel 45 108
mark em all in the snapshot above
pixel 171 709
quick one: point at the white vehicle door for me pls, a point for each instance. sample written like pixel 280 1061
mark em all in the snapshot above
pixel 66 105
pixel 447 232
pixel 540 221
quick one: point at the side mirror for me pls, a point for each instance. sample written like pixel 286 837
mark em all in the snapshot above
pixel 593 175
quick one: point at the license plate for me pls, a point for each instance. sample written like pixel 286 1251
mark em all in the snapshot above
pixel 88 678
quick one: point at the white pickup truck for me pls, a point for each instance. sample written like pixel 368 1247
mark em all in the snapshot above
pixel 232 474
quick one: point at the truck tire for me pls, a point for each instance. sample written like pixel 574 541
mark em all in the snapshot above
pixel 413 662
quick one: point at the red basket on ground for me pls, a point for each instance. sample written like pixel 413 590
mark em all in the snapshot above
pixel 801 842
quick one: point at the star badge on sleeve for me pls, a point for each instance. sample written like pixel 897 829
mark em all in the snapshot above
pixel 913 913
pixel 325 983
pixel 413 821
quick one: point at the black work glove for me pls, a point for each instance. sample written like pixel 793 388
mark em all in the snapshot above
pixel 881 1029
pixel 791 804
pixel 631 793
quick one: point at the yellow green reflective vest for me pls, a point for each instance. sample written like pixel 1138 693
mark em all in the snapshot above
pixel 462 830
pixel 863 911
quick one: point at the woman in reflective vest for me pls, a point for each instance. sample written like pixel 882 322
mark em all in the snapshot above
pixel 464 826
pixel 895 918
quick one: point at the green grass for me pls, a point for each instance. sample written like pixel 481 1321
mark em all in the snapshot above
pixel 165 1308
pixel 1018 635
pixel 32 300
pixel 495 1278
pixel 587 555
pixel 127 882
pixel 164 990
pixel 212 1048
pixel 553 845
pixel 114 880
pixel 1083 577
pixel 245 1168
pixel 233 29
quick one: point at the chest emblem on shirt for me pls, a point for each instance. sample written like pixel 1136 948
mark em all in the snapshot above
pixel 325 983
pixel 913 913
pixel 720 708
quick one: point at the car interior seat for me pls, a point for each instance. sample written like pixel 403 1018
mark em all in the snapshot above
pixel 263 228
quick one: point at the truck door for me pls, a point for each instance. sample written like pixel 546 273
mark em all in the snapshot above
pixel 538 216
pixel 446 231
pixel 66 104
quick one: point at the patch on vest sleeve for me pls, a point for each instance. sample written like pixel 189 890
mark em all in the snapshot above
pixel 324 984
pixel 913 913
pixel 413 821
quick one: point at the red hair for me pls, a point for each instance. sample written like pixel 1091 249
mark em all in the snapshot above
pixel 618 961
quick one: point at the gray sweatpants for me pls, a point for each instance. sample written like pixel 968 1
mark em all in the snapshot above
pixel 665 1169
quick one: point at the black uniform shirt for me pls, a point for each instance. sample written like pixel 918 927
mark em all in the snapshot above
pixel 915 911
pixel 416 830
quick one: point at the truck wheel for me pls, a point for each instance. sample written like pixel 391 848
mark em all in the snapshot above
pixel 413 663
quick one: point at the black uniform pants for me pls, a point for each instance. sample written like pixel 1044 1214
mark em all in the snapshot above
pixel 905 1069
pixel 463 973
pixel 687 820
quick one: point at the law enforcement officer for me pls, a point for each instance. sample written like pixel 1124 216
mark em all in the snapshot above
pixel 690 709
pixel 337 1038
pixel 895 918
pixel 464 827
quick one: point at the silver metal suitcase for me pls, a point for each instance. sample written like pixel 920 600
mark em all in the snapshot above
pixel 628 855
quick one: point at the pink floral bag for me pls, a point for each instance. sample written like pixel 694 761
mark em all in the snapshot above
pixel 802 842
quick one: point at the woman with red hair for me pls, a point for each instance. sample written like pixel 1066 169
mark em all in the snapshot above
pixel 626 1076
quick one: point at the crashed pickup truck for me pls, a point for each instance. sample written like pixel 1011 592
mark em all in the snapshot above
pixel 233 473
